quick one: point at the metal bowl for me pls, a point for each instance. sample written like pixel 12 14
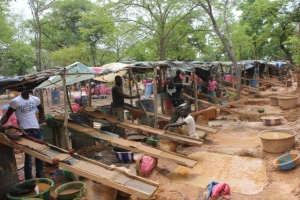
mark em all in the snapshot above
pixel 13 136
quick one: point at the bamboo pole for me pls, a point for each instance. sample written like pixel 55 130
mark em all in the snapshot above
pixel 139 99
pixel 155 99
pixel 65 127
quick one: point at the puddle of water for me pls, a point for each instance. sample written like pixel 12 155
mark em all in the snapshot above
pixel 243 174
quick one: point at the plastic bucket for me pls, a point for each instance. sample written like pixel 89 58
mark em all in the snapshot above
pixel 105 109
pixel 169 108
pixel 148 105
pixel 254 83
pixel 84 101
pixel 8 172
pixel 228 77
pixel 55 97
pixel 43 195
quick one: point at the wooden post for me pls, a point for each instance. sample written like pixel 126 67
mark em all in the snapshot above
pixel 69 101
pixel 139 99
pixel 161 77
pixel 244 74
pixel 47 95
pixel 90 93
pixel 196 92
pixel 129 85
pixel 232 76
pixel 155 99
pixel 65 127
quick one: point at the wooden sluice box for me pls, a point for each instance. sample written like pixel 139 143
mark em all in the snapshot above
pixel 93 170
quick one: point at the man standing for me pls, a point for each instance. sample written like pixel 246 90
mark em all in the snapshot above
pixel 118 98
pixel 174 91
pixel 24 107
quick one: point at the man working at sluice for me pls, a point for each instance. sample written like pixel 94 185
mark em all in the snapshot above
pixel 186 120
pixel 174 91
pixel 118 98
pixel 24 107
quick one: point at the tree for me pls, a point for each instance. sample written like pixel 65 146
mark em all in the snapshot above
pixel 226 37
pixel 272 23
pixel 166 23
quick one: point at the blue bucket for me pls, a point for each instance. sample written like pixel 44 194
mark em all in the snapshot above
pixel 148 105
pixel 105 109
pixel 254 83
pixel 55 97
pixel 84 101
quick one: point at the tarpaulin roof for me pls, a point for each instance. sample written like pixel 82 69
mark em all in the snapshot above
pixel 75 72
pixel 21 83
pixel 108 72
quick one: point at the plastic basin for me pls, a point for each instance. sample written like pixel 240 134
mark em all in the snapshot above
pixel 271 120
pixel 43 195
pixel 123 155
pixel 287 161
pixel 278 145
pixel 70 191
pixel 287 102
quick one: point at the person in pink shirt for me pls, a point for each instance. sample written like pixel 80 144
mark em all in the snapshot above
pixel 212 85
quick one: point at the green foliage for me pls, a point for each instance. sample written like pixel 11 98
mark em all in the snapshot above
pixel 272 23
pixel 294 45
pixel 67 56
pixel 18 59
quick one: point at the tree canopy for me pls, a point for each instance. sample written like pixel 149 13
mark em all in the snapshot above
pixel 96 33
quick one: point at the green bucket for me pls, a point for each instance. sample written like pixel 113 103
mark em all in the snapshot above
pixel 75 188
pixel 43 195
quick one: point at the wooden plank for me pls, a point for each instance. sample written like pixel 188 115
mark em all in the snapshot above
pixel 157 153
pixel 112 177
pixel 137 146
pixel 155 131
pixel 206 129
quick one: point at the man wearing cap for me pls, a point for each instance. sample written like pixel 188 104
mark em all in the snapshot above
pixel 24 107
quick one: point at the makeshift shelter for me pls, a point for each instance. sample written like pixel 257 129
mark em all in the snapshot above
pixel 108 72
pixel 75 72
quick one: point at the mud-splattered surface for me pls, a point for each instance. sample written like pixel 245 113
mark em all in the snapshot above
pixel 237 137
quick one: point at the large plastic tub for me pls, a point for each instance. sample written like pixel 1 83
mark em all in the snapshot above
pixel 278 144
pixel 43 195
pixel 70 190
pixel 274 101
pixel 287 102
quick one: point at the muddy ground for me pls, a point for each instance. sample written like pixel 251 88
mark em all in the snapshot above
pixel 237 135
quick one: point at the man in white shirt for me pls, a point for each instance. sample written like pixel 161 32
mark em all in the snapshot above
pixel 24 107
pixel 186 120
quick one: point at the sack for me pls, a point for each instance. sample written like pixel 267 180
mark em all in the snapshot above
pixel 145 165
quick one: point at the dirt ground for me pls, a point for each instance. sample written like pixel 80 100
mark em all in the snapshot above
pixel 231 139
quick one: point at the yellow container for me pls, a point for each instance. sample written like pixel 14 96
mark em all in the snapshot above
pixel 16 93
